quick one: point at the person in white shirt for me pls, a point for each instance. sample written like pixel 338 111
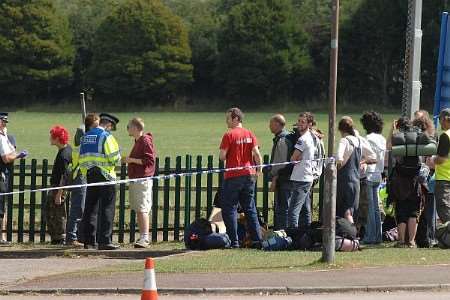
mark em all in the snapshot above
pixel 8 155
pixel 373 125
pixel 302 175
pixel 353 152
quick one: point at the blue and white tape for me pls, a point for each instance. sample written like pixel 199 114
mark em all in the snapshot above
pixel 162 177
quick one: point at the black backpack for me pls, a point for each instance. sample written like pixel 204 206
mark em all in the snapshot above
pixel 195 232
pixel 291 140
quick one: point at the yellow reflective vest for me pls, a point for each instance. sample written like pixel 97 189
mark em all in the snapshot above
pixel 99 149
pixel 443 170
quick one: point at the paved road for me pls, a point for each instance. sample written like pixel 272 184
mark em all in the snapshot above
pixel 331 278
pixel 377 296
pixel 15 271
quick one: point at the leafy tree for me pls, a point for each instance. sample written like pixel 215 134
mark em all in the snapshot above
pixel 85 17
pixel 262 51
pixel 141 51
pixel 372 52
pixel 202 20
pixel 36 53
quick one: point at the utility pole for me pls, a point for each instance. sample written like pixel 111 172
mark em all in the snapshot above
pixel 329 205
pixel 413 53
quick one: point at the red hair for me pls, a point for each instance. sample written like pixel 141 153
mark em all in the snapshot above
pixel 60 134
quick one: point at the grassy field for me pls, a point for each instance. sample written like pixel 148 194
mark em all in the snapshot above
pixel 245 260
pixel 174 133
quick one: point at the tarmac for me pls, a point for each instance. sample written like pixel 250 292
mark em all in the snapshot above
pixel 54 275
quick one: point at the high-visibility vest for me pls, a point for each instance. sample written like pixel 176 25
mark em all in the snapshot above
pixel 75 164
pixel 443 170
pixel 99 149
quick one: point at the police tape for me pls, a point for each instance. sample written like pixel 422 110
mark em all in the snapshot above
pixel 165 177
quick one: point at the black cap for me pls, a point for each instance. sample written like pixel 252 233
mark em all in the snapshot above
pixel 4 117
pixel 111 118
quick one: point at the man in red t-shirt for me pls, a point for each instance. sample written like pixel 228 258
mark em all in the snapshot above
pixel 141 164
pixel 239 148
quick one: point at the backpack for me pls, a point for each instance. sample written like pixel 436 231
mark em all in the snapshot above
pixel 215 241
pixel 291 139
pixel 277 241
pixel 194 233
pixel 413 142
pixel 443 235
pixel 319 155
pixel 346 245
pixel 345 229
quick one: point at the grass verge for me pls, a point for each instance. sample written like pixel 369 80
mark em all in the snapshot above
pixel 225 261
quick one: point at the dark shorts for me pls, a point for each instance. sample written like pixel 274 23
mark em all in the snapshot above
pixel 407 209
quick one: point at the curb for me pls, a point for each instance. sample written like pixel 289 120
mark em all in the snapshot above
pixel 236 291
pixel 44 253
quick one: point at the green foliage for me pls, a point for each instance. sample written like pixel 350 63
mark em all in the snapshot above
pixel 85 17
pixel 36 52
pixel 262 51
pixel 202 20
pixel 141 52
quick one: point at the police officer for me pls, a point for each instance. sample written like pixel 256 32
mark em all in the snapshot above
pixel 99 154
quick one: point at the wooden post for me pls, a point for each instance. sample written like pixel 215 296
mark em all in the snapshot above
pixel 329 213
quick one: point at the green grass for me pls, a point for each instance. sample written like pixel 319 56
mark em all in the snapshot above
pixel 175 134
pixel 239 260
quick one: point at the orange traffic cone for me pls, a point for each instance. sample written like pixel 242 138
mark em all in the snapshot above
pixel 149 291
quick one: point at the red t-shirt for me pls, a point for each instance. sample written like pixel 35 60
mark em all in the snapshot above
pixel 239 143
pixel 143 149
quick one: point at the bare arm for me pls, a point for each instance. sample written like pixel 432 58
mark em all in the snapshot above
pixel 257 158
pixel 297 155
pixel 9 158
pixel 223 154
pixel 439 160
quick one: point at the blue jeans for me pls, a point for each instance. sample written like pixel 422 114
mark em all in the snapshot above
pixel 240 190
pixel 300 193
pixel 373 234
pixel 282 196
pixel 77 199
pixel 430 214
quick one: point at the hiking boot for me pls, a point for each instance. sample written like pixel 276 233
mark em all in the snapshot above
pixel 58 242
pixel 90 247
pixel 75 244
pixel 141 243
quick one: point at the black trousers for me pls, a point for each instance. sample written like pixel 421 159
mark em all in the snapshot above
pixel 100 204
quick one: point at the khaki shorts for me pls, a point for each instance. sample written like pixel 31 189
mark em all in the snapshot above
pixel 141 196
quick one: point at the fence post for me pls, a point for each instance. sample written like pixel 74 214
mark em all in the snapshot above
pixel 31 228
pixel 122 191
pixel 155 203
pixel 9 225
pixel 176 223
pixel 221 174
pixel 166 200
pixel 266 190
pixel 329 213
pixel 43 200
pixel 187 192
pixel 198 189
pixel 321 192
pixel 209 186
pixel 21 202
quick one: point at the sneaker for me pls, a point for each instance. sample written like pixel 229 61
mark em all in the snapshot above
pixel 58 242
pixel 412 245
pixel 109 246
pixel 75 244
pixel 141 243
pixel 5 243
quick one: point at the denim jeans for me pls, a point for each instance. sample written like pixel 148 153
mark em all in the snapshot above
pixel 282 196
pixel 373 232
pixel 77 198
pixel 430 214
pixel 300 193
pixel 240 190
pixel 305 217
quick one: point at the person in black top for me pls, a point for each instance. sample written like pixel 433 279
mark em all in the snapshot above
pixel 55 208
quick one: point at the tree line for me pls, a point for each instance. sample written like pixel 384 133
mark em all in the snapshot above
pixel 243 52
